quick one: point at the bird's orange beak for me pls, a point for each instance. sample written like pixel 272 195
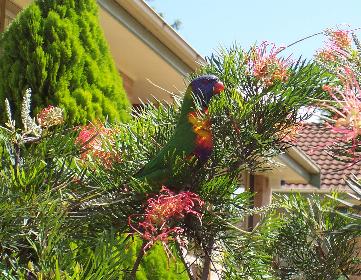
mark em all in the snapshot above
pixel 218 88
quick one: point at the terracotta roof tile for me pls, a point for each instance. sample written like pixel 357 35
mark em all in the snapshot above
pixel 312 140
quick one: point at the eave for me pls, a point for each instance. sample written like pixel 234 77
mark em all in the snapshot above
pixel 149 27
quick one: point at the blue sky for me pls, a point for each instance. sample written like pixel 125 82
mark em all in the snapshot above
pixel 209 24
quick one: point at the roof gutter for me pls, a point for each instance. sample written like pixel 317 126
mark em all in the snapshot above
pixel 305 191
pixel 156 25
pixel 302 165
pixel 303 159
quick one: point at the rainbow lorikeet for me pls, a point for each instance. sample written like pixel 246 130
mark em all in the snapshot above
pixel 192 138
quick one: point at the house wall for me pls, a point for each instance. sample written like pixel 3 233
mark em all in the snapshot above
pixel 145 70
pixel 8 11
pixel 263 194
pixel 2 14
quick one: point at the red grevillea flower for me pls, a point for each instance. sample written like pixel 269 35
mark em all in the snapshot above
pixel 266 66
pixel 96 141
pixel 346 106
pixel 50 116
pixel 161 214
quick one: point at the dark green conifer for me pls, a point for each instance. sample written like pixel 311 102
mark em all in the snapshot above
pixel 57 49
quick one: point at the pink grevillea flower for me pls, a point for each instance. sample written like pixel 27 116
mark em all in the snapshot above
pixel 50 116
pixel 337 46
pixel 289 134
pixel 96 141
pixel 340 38
pixel 327 55
pixel 346 106
pixel 266 66
pixel 162 213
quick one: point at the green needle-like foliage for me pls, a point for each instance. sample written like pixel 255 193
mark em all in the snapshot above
pixel 57 49
pixel 32 204
pixel 249 125
pixel 92 201
pixel 44 236
pixel 258 118
pixel 313 243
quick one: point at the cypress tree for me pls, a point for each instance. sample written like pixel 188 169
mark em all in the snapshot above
pixel 57 49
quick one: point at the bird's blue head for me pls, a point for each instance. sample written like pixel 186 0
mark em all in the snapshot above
pixel 205 87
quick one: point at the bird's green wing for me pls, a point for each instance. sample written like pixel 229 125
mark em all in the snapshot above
pixel 180 145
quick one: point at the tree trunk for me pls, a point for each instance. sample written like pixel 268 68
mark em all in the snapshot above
pixel 251 190
pixel 207 260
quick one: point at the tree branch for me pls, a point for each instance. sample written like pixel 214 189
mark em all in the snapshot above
pixel 207 259
pixel 187 267
pixel 133 273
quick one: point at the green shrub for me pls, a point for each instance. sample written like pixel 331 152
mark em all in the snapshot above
pixel 156 265
pixel 57 49
pixel 315 241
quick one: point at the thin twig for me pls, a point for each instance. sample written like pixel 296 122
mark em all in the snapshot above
pixel 302 39
pixel 163 89
pixel 17 158
pixel 187 267
pixel 310 36
pixel 133 273
pixel 229 224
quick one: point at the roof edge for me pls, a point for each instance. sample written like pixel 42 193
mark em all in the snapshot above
pixel 155 24
pixel 303 159
pixel 305 191
pixel 301 167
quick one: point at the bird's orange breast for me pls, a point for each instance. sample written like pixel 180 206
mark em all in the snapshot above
pixel 201 126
